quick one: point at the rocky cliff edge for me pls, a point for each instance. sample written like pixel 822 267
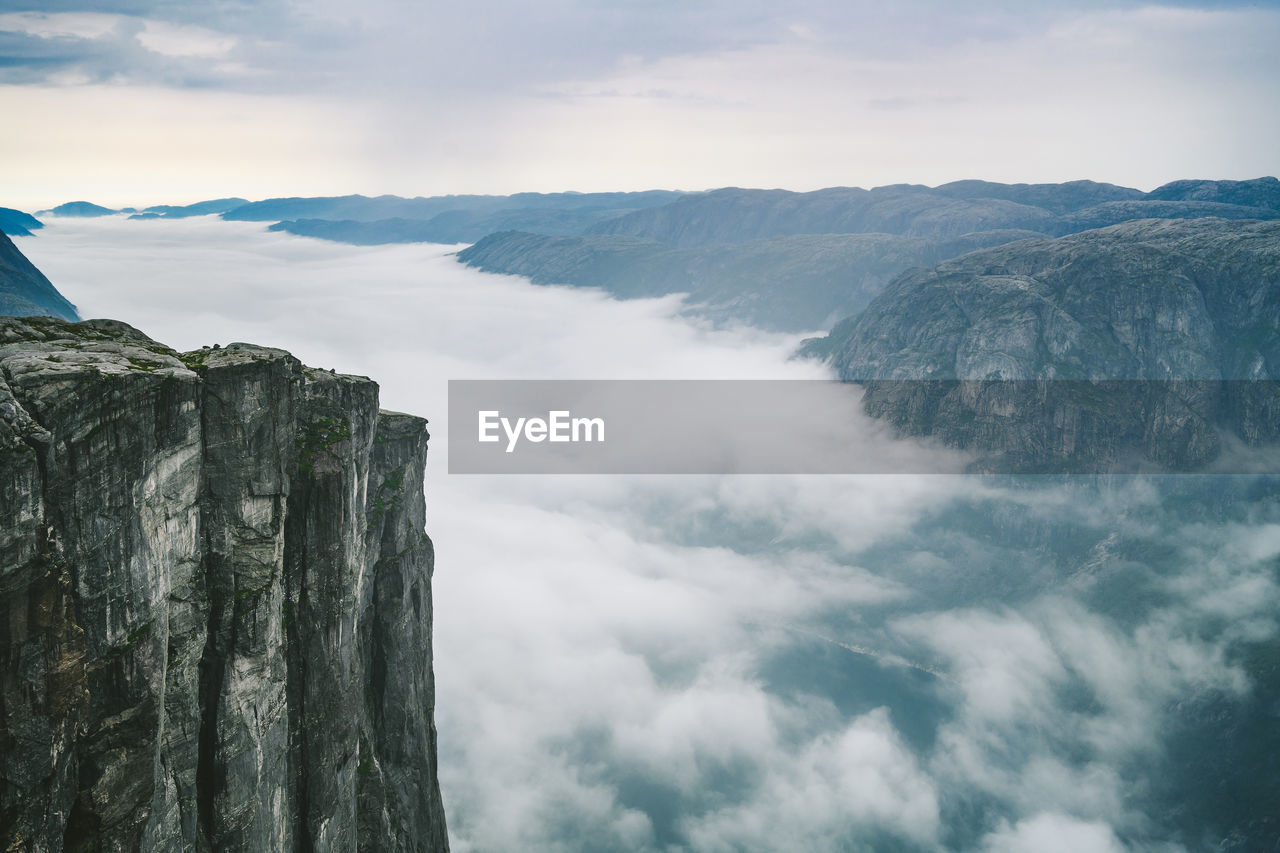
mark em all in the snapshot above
pixel 216 592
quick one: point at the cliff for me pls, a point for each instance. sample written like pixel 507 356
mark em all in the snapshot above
pixel 217 592
pixel 1150 338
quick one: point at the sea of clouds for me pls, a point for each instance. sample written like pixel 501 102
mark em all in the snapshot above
pixel 758 663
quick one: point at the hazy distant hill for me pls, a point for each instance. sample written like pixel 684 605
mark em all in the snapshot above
pixel 15 223
pixel 452 226
pixel 200 208
pixel 736 215
pixel 740 215
pixel 1259 192
pixel 82 209
pixel 1055 198
pixel 24 291
pixel 753 267
pixel 794 283
pixel 461 209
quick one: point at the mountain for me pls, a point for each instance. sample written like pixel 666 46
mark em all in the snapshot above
pixel 1259 192
pixel 200 208
pixel 739 215
pixel 792 261
pixel 944 213
pixel 1055 198
pixel 218 598
pixel 453 226
pixel 24 290
pixel 1115 212
pixel 1149 339
pixel 15 223
pixel 795 283
pixel 82 209
pixel 359 208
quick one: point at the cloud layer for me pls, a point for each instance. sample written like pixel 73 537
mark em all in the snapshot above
pixel 760 663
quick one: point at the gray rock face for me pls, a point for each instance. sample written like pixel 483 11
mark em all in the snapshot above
pixel 210 562
pixel 1015 344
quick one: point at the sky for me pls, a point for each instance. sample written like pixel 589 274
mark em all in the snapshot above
pixel 136 102
pixel 888 664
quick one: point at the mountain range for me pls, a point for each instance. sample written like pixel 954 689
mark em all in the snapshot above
pixel 811 284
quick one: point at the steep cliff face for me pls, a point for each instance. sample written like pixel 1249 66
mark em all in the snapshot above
pixel 211 563
pixel 1150 338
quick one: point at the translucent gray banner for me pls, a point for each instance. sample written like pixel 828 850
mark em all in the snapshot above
pixel 881 427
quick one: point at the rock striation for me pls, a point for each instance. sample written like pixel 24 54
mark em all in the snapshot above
pixel 217 601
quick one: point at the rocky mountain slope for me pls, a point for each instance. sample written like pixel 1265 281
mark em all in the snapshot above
pixel 217 597
pixel 15 223
pixel 24 291
pixel 1002 349
pixel 789 284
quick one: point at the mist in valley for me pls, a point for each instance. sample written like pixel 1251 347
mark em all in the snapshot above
pixel 884 663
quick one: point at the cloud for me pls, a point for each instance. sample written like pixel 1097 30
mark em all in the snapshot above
pixel 1051 833
pixel 587 95
pixel 809 663
pixel 64 25
pixel 178 40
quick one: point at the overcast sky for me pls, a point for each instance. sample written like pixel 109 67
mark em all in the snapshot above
pixel 147 101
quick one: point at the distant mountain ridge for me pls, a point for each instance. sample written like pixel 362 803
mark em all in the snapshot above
pixel 794 283
pixel 82 209
pixel 811 287
pixel 200 208
pixel 739 215
pixel 362 220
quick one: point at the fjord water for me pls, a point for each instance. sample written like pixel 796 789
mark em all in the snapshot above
pixel 888 663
